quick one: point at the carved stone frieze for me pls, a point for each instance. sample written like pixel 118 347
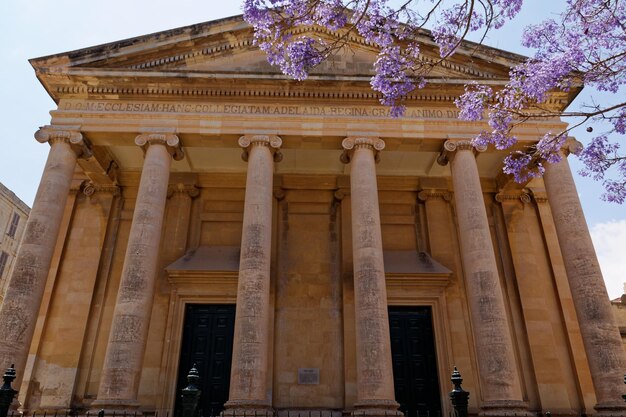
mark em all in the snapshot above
pixel 68 134
pixel 352 143
pixel 272 141
pixel 450 147
pixel 170 140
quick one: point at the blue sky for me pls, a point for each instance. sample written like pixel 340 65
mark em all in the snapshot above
pixel 33 28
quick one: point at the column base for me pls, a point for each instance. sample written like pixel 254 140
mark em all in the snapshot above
pixel 611 409
pixel 308 412
pixel 117 407
pixel 376 408
pixel 503 408
pixel 245 408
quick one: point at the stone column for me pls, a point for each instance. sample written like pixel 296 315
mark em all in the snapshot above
pixel 498 373
pixel 248 381
pixel 22 300
pixel 375 393
pixel 601 338
pixel 119 382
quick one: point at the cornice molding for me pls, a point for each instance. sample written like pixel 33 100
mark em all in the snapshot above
pixel 248 42
pixel 251 92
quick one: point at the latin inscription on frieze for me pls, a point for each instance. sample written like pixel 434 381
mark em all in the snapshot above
pixel 251 109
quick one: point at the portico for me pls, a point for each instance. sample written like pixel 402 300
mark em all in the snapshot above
pixel 197 180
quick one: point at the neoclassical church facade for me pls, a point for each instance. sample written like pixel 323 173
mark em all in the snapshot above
pixel 305 250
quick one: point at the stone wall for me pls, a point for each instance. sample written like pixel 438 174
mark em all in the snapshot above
pixel 10 236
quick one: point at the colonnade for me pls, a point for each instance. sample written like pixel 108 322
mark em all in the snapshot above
pixel 249 391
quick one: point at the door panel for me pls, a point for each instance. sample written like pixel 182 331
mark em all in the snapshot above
pixel 208 342
pixel 414 361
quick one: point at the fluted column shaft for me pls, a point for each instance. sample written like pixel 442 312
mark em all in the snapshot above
pixel 499 377
pixel 248 381
pixel 24 293
pixel 601 337
pixel 375 390
pixel 119 383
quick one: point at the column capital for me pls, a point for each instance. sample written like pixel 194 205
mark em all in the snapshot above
pixel 341 193
pixel 169 140
pixel 67 134
pixel 273 142
pixel 349 144
pixel 570 145
pixel 540 196
pixel 426 195
pixel 190 190
pixel 89 188
pixel 451 146
pixel 513 195
pixel 279 193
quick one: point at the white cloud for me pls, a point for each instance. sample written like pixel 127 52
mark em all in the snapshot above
pixel 609 239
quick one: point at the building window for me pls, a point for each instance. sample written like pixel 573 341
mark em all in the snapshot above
pixel 3 261
pixel 13 227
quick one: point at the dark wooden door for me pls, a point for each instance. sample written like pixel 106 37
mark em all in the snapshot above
pixel 414 361
pixel 207 342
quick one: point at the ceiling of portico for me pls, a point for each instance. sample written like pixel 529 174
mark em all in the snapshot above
pixel 309 161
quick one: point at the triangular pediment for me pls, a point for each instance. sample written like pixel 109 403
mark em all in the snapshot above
pixel 226 46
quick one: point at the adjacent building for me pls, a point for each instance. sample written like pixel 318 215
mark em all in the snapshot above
pixel 13 216
pixel 305 250
pixel 619 310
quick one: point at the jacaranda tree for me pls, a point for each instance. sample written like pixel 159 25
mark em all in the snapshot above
pixel 585 45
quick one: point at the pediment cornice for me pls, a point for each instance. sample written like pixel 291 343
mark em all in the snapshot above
pixel 219 59
pixel 251 87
